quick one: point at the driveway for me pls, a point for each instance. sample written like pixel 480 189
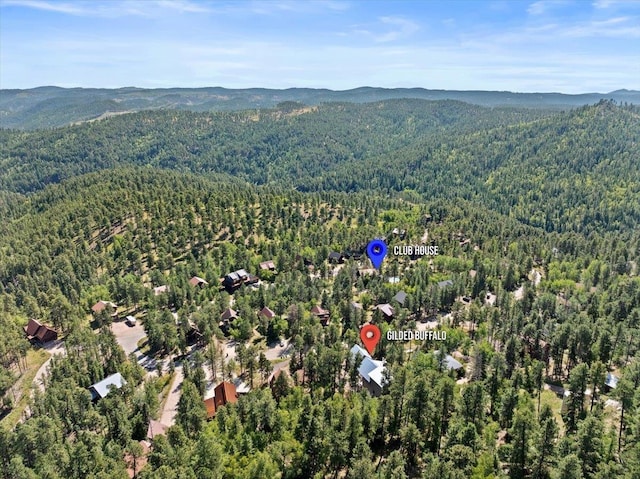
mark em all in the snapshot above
pixel 53 348
pixel 230 350
pixel 170 409
pixel 275 351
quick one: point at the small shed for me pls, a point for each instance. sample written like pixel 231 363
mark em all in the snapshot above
pixel 268 265
pixel 386 309
pixel 199 282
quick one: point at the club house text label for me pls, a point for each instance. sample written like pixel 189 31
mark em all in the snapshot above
pixel 415 250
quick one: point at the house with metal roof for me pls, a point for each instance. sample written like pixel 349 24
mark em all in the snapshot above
pixel 400 297
pixel 102 388
pixel 386 309
pixel 371 371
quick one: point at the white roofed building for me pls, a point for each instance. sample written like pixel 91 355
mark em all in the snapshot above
pixel 372 371
pixel 102 388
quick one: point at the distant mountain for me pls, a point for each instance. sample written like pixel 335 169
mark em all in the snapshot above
pixel 574 170
pixel 49 106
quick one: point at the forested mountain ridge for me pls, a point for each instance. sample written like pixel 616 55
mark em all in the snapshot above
pixel 257 146
pixel 47 107
pixel 529 164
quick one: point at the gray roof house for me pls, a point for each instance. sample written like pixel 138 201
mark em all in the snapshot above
pixel 102 388
pixel 371 371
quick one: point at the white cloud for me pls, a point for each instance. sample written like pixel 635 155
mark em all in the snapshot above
pixel 402 28
pixel 605 4
pixel 537 8
pixel 113 8
pixel 68 8
pixel 545 6
pixel 387 29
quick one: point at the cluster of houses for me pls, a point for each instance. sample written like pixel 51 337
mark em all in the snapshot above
pixel 235 279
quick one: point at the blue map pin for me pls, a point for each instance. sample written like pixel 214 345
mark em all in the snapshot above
pixel 376 250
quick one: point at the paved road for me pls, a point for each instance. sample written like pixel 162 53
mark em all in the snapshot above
pixel 170 409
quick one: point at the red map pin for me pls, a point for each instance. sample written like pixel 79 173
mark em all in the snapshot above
pixel 370 336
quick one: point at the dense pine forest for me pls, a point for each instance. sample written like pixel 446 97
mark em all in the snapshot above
pixel 536 214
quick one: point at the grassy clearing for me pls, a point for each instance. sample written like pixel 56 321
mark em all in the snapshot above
pixel 550 398
pixel 35 359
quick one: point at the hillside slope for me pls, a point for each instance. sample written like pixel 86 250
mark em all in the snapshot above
pixel 556 171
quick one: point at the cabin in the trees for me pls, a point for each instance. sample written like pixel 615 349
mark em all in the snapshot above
pixel 268 266
pixel 387 310
pixel 451 364
pixel 158 290
pixel 354 254
pixel 198 282
pixel 39 332
pixel 321 314
pixel 193 334
pixel 400 297
pixel 223 394
pixel 540 349
pixel 336 258
pixel 102 305
pixel 227 317
pixel 102 388
pixel 266 313
pixel 611 382
pixel 400 233
pixel 445 284
pixel 371 371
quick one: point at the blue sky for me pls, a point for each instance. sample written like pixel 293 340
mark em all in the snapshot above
pixel 548 45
